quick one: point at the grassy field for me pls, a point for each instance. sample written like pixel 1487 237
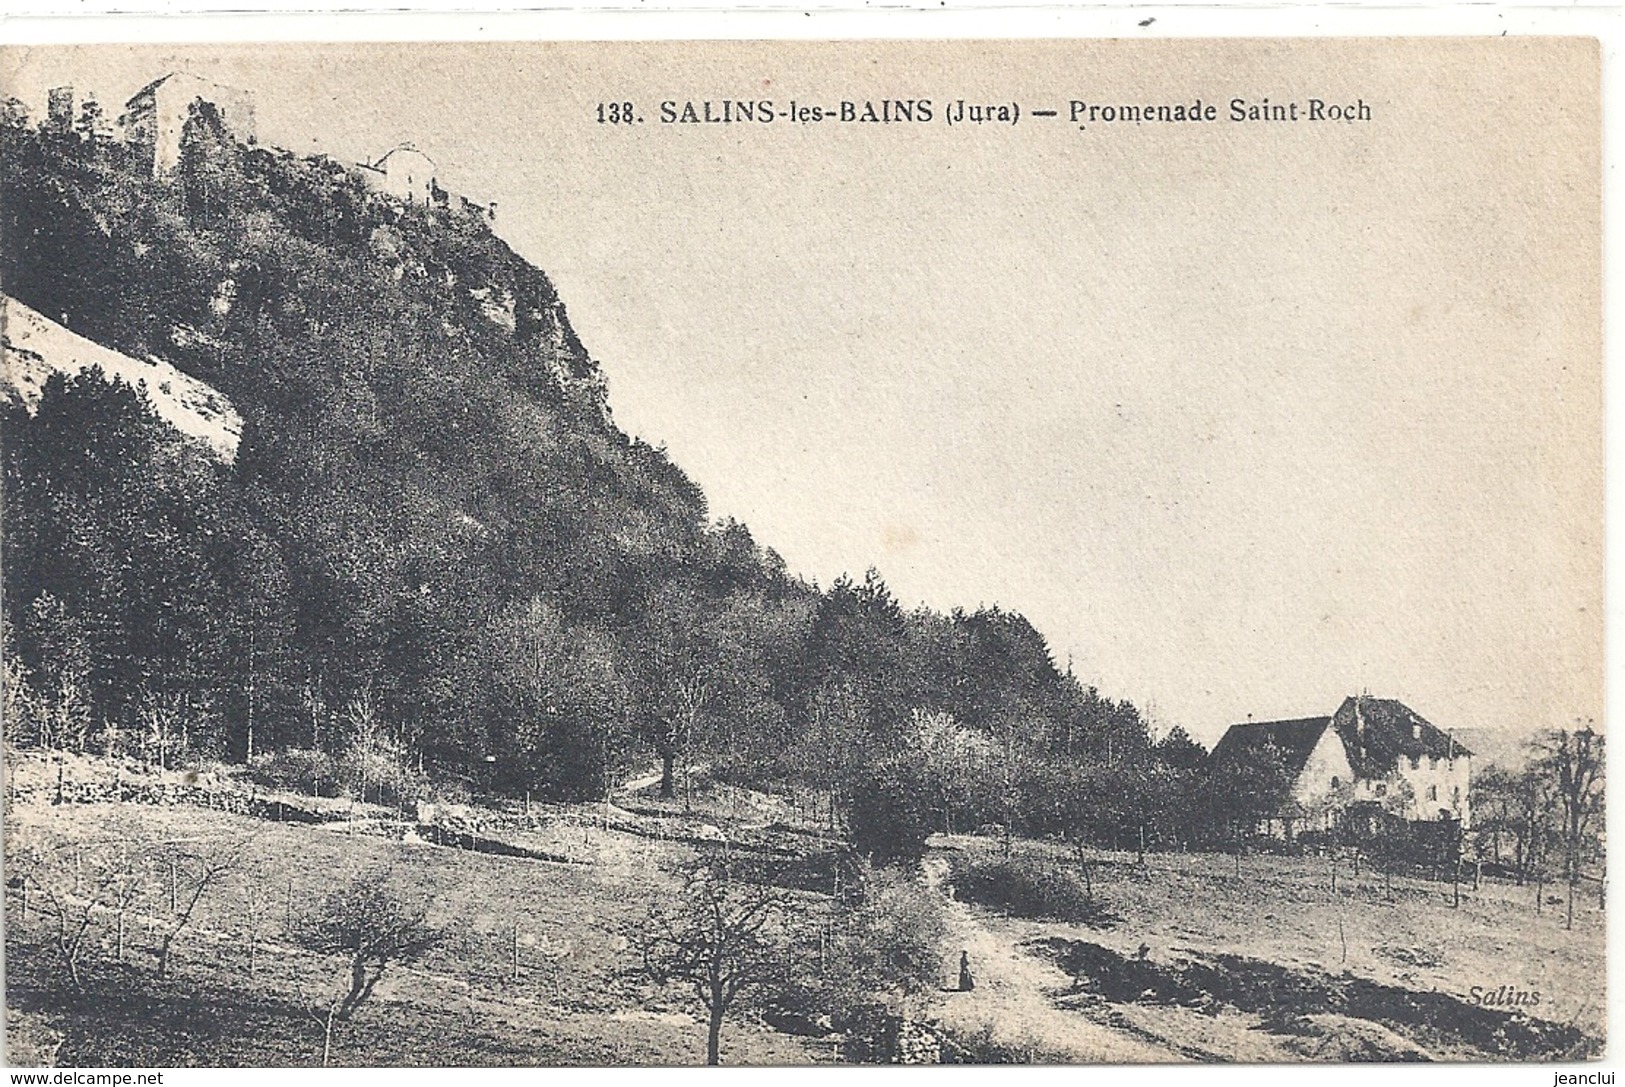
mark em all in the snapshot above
pixel 580 997
pixel 1271 965
pixel 1200 963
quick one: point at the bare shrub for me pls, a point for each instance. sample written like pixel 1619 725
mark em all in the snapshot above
pixel 296 770
pixel 890 941
pixel 1031 888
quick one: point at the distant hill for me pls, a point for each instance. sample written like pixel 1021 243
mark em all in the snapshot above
pixel 1497 747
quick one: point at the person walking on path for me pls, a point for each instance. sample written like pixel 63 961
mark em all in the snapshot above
pixel 966 982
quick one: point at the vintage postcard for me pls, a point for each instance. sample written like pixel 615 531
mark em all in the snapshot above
pixel 795 552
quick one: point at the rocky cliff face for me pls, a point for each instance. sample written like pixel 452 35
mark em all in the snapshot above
pixel 35 347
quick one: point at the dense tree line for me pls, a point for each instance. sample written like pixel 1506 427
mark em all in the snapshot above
pixel 435 550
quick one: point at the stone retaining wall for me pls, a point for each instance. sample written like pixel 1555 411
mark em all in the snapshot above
pixel 168 793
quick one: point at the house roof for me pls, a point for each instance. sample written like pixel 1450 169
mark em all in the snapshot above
pixel 1295 739
pixel 1378 731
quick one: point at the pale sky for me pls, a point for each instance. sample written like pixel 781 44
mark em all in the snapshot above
pixel 1244 417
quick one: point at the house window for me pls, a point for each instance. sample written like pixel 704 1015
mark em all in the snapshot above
pixel 1433 792
pixel 1382 788
pixel 1336 781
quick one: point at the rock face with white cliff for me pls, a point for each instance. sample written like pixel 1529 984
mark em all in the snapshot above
pixel 37 347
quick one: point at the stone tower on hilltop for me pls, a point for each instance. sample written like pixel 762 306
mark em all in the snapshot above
pixel 59 110
pixel 155 116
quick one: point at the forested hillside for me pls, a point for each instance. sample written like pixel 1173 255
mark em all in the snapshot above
pixel 434 555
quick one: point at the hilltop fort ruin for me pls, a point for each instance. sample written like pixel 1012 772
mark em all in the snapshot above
pixel 155 116
pixel 154 120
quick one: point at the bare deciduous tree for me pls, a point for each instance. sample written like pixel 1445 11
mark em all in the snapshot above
pixel 325 1013
pixel 160 716
pixel 131 879
pixel 366 735
pixel 1573 764
pixel 73 893
pixel 25 711
pixel 191 873
pixel 723 938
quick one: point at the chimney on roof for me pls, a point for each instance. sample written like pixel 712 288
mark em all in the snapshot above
pixel 1416 730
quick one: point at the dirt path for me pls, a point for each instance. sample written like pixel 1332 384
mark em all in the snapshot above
pixel 641 782
pixel 1015 997
pixel 644 781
